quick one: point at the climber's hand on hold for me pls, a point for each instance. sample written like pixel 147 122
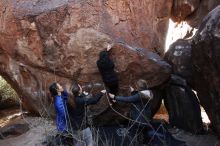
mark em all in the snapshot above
pixel 112 97
pixel 109 47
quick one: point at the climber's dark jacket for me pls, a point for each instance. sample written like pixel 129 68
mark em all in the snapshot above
pixel 106 68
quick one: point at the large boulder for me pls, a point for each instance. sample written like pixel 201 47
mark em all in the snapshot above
pixel 140 64
pixel 179 57
pixel 46 41
pixel 192 11
pixel 13 130
pixel 182 9
pixel 182 106
pixel 202 10
pixel 197 60
pixel 206 62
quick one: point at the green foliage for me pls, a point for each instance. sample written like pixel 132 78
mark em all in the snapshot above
pixel 6 91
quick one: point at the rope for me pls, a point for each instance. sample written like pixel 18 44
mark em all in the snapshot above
pixel 66 114
pixel 67 117
pixel 135 121
pixel 110 104
pixel 54 73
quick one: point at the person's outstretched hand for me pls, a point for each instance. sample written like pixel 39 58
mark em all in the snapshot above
pixel 147 93
pixel 131 89
pixel 85 93
pixel 112 96
pixel 103 91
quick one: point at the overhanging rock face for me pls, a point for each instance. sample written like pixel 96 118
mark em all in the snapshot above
pixel 42 42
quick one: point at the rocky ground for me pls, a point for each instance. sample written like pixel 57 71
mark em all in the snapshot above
pixel 196 140
pixel 41 128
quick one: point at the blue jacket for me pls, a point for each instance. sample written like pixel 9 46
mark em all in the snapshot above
pixel 61 111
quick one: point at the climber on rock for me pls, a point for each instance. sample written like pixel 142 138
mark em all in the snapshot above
pixel 79 119
pixel 106 68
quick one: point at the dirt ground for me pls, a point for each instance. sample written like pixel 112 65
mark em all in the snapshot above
pixel 196 140
pixel 40 128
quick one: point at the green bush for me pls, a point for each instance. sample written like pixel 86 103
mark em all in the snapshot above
pixel 6 91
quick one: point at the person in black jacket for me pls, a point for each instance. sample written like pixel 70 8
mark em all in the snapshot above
pixel 140 111
pixel 106 68
pixel 155 133
pixel 78 114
